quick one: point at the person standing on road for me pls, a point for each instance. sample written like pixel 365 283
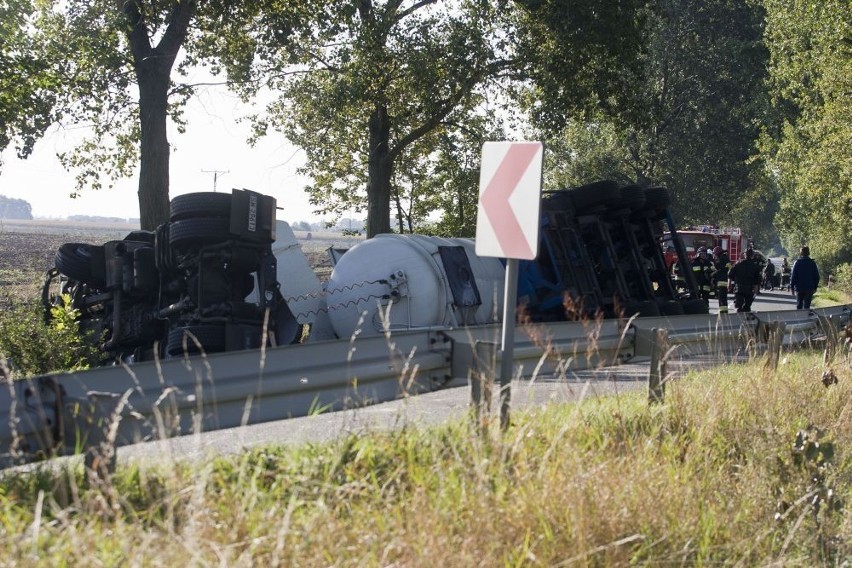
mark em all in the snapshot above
pixel 769 275
pixel 805 279
pixel 746 275
pixel 701 269
pixel 721 265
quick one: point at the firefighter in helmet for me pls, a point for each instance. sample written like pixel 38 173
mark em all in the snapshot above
pixel 746 275
pixel 702 269
pixel 721 266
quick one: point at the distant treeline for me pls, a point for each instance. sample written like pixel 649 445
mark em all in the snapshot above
pixel 11 208
pixel 97 219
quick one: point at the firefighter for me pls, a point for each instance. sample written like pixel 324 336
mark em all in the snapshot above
pixel 769 275
pixel 746 275
pixel 677 278
pixel 721 264
pixel 702 269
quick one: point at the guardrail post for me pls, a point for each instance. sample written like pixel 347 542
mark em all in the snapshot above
pixel 482 380
pixel 774 342
pixel 657 370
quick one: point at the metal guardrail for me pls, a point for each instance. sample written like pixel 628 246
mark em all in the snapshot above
pixel 108 407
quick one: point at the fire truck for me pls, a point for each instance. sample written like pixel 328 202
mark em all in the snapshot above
pixel 731 239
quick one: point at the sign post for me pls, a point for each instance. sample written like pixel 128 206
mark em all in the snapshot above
pixel 507 227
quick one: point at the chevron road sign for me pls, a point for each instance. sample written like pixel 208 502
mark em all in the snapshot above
pixel 507 227
pixel 509 200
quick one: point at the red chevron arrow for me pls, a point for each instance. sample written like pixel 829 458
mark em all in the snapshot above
pixel 495 199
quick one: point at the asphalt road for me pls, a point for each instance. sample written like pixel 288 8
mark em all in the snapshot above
pixel 765 301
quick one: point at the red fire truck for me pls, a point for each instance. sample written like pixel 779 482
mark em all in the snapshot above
pixel 731 239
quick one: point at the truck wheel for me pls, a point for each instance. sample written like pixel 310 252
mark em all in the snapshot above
pixel 81 262
pixel 197 231
pixel 657 198
pixel 203 204
pixel 211 338
pixel 632 197
pixel 140 236
pixel 604 192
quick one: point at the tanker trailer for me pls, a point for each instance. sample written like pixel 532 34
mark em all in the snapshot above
pixel 401 282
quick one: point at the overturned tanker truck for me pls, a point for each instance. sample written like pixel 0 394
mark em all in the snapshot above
pixel 224 275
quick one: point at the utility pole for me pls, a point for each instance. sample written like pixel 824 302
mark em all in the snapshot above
pixel 215 175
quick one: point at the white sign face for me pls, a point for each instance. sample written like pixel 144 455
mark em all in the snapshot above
pixel 509 200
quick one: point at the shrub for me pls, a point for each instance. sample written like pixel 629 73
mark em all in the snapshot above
pixel 842 277
pixel 31 346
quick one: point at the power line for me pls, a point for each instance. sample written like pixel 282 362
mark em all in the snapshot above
pixel 215 175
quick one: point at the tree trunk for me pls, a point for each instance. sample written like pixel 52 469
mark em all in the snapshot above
pixel 153 67
pixel 379 172
pixel 154 148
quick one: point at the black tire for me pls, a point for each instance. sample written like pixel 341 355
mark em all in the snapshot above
pixel 81 262
pixel 140 236
pixel 697 306
pixel 203 204
pixel 632 197
pixel 558 201
pixel 604 192
pixel 657 198
pixel 197 231
pixel 211 338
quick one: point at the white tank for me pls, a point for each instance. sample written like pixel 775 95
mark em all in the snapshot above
pixel 413 281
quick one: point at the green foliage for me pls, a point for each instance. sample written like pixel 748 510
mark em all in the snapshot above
pixel 383 96
pixel 30 346
pixel 101 65
pixel 842 276
pixel 691 119
pixel 808 141
pixel 29 86
pixel 378 79
pixel 579 59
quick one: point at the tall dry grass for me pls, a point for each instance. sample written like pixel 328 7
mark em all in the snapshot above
pixel 739 466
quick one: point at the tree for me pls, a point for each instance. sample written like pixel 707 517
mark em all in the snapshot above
pixel 808 142
pixel 371 80
pixel 11 208
pixel 28 89
pixel 110 39
pixel 448 181
pixel 693 119
pixel 364 85
pixel 78 63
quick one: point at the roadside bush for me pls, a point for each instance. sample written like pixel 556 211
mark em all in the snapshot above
pixel 841 276
pixel 29 346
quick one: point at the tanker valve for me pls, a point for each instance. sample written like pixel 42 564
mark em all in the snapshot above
pixel 398 284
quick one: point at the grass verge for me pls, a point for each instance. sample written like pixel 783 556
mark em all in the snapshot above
pixel 739 466
pixel 825 298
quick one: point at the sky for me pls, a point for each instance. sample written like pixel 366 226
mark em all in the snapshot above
pixel 214 141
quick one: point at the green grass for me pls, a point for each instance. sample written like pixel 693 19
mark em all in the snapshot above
pixel 835 297
pixel 739 466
